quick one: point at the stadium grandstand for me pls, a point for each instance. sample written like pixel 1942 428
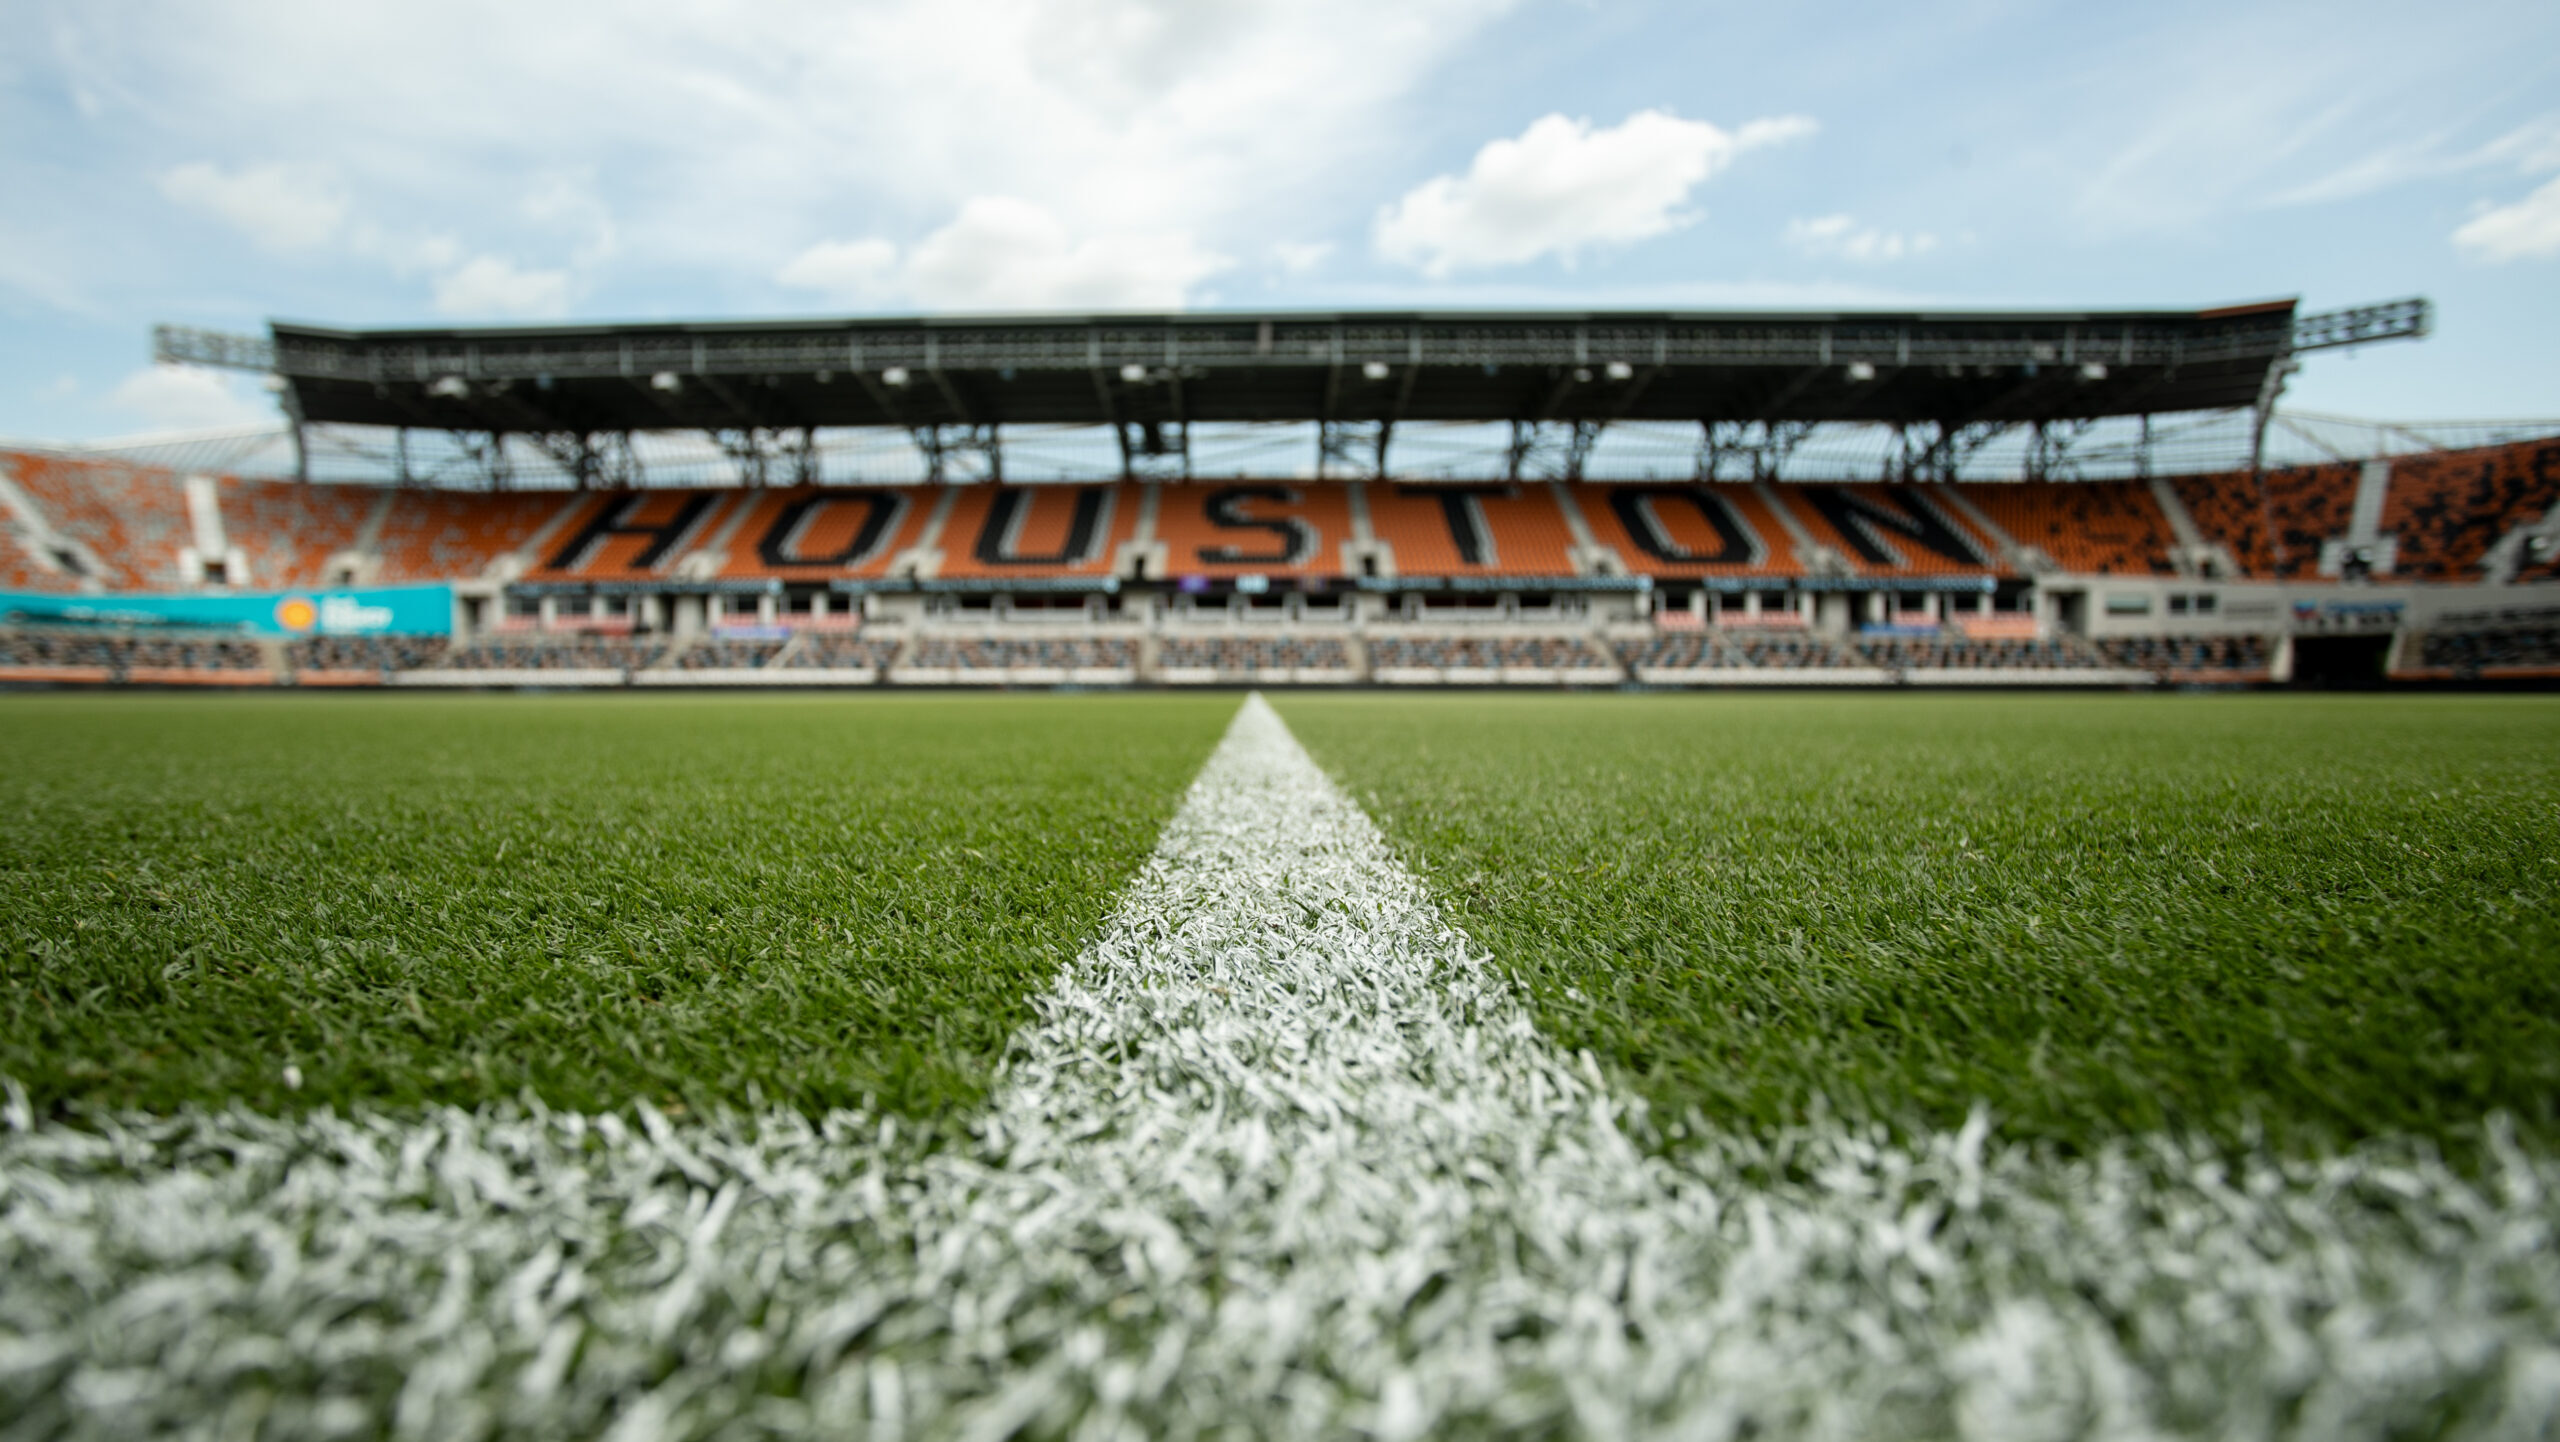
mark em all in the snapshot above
pixel 1531 499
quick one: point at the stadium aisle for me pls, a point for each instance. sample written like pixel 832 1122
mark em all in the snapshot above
pixel 1280 1156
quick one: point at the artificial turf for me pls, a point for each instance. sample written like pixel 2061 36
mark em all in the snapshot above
pixel 2311 920
pixel 699 902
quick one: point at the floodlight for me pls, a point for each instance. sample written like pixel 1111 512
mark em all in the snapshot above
pixel 453 387
pixel 666 381
pixel 894 376
pixel 2093 370
pixel 1862 370
pixel 1621 371
pixel 1375 370
pixel 1582 375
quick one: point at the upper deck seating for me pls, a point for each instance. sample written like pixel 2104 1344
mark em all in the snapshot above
pixel 823 533
pixel 132 518
pixel 996 532
pixel 1680 529
pixel 2087 527
pixel 1220 529
pixel 2309 505
pixel 2227 512
pixel 1472 529
pixel 287 531
pixel 457 535
pixel 1903 530
pixel 2446 510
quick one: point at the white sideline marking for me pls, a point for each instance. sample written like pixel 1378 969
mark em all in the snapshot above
pixel 1280 1157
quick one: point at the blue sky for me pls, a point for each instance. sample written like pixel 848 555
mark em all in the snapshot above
pixel 218 164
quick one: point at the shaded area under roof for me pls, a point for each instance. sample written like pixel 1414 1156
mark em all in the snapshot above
pixel 1172 370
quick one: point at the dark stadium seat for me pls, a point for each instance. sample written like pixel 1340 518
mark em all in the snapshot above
pixel 1682 529
pixel 1231 528
pixel 1472 529
pixel 1017 532
pixel 1891 530
pixel 2446 510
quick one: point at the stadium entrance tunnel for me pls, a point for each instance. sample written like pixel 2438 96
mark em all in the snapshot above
pixel 2340 663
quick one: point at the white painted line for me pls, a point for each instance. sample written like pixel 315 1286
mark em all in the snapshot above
pixel 1281 1156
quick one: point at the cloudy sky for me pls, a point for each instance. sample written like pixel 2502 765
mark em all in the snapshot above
pixel 217 164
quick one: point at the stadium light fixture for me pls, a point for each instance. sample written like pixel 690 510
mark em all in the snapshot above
pixel 450 387
pixel 894 376
pixel 1133 373
pixel 666 381
pixel 2093 370
pixel 1621 371
pixel 1862 371
pixel 1375 370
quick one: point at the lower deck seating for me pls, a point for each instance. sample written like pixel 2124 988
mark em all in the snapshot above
pixel 1718 650
pixel 2190 655
pixel 51 650
pixel 2469 654
pixel 365 653
pixel 1488 653
pixel 1007 653
pixel 728 655
pixel 841 653
pixel 1254 653
pixel 1960 653
pixel 572 653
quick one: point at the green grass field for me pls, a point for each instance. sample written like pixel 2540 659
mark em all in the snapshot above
pixel 591 899
pixel 2320 919
pixel 2016 1067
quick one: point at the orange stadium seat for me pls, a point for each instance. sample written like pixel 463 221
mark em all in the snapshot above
pixel 825 533
pixel 2087 527
pixel 2228 513
pixel 1891 530
pixel 1472 530
pixel 1037 531
pixel 629 533
pixel 2309 505
pixel 288 530
pixel 132 518
pixel 1681 529
pixel 2446 510
pixel 455 535
pixel 1232 528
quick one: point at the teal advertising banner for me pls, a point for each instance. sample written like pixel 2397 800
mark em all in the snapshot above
pixel 365 611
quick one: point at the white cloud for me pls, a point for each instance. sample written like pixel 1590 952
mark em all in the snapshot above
pixel 1297 257
pixel 796 120
pixel 2528 229
pixel 1006 253
pixel 188 398
pixel 278 207
pixel 849 272
pixel 1842 236
pixel 487 286
pixel 1563 187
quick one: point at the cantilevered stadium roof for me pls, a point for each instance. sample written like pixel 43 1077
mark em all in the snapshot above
pixel 1172 370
